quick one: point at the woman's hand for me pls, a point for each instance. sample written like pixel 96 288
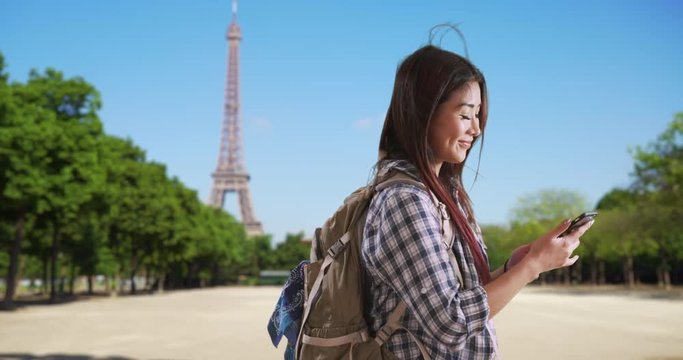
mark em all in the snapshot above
pixel 551 252
pixel 528 261
pixel 517 256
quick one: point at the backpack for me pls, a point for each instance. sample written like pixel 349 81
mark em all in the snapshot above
pixel 332 323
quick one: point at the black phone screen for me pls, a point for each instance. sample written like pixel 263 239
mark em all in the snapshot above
pixel 578 221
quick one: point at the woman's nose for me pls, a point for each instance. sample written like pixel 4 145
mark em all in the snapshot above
pixel 474 128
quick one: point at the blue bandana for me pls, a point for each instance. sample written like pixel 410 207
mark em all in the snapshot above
pixel 286 319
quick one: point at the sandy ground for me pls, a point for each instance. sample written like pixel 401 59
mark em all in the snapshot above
pixel 229 323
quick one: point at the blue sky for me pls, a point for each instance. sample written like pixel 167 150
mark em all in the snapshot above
pixel 572 85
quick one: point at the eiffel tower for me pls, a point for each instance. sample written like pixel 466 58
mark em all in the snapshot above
pixel 231 175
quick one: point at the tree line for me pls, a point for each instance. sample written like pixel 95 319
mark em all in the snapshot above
pixel 75 201
pixel 638 234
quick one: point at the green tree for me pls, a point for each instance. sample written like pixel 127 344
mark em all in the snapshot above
pixel 41 163
pixel 536 213
pixel 617 198
pixel 659 165
pixel 662 228
pixel 177 231
pixel 86 248
pixel 291 252
pixel 6 241
pixel 122 162
pixel 548 206
pixel 658 177
pixel 151 231
pixel 71 173
pixel 597 244
pixel 262 252
pixel 619 235
pixel 499 243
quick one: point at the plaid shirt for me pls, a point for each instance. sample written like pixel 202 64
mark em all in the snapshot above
pixel 405 259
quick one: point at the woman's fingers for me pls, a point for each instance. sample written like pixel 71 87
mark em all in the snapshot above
pixel 574 245
pixel 571 261
pixel 559 229
pixel 585 227
pixel 553 252
pixel 581 230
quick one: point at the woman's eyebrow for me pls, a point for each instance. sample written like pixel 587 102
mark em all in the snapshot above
pixel 467 104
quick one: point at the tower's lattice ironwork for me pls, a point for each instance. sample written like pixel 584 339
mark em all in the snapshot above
pixel 231 174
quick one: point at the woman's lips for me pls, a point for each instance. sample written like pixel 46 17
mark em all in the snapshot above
pixel 465 143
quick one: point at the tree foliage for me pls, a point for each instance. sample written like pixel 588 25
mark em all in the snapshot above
pixel 291 251
pixel 87 203
pixel 548 206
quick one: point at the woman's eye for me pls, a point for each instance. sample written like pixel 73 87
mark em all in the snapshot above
pixel 464 117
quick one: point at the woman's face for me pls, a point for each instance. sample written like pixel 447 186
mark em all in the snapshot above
pixel 455 125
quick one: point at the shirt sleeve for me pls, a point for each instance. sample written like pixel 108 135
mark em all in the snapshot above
pixel 409 255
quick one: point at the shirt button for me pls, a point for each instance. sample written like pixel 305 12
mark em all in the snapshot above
pixel 423 291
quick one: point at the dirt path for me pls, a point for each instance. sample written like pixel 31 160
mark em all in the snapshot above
pixel 229 323
pixel 541 325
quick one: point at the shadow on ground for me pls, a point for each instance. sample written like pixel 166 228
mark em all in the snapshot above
pixel 23 356
pixel 25 301
pixel 44 300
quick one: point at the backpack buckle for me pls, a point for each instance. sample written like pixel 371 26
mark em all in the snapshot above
pixel 336 249
pixel 383 334
pixel 445 217
pixel 444 211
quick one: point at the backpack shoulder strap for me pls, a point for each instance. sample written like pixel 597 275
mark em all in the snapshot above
pixel 449 240
pixel 397 178
pixel 394 323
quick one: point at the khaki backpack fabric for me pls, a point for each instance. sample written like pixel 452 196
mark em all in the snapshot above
pixel 333 326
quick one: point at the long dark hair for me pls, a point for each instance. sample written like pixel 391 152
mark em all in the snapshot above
pixel 424 80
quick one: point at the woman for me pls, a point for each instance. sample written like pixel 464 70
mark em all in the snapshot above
pixel 438 111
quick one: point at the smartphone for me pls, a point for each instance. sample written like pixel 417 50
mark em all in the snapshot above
pixel 580 220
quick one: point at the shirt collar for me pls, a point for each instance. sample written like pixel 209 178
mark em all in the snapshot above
pixel 404 166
